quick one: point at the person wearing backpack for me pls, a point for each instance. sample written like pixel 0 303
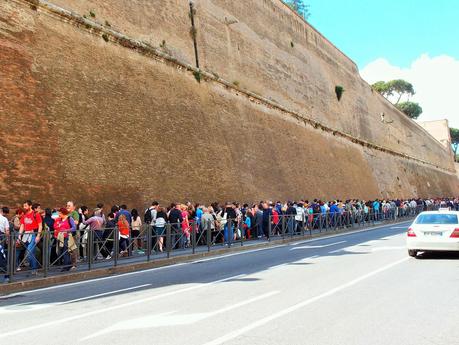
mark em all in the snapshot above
pixel 64 225
pixel 149 218
pixel 275 219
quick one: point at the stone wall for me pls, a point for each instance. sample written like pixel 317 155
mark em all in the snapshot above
pixel 91 120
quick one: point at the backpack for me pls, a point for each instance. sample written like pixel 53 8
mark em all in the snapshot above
pixel 147 218
pixel 316 209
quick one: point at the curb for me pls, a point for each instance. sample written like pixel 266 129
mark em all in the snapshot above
pixel 127 268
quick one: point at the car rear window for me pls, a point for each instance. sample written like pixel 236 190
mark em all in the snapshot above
pixel 437 219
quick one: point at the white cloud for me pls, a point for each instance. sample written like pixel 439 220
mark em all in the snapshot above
pixel 435 80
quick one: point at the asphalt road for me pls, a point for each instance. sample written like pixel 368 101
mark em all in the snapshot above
pixel 359 288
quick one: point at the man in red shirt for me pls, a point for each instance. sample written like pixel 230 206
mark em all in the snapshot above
pixel 30 234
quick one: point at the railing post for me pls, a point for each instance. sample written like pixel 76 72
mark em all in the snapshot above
pixel 90 248
pixel 168 240
pixel 209 237
pixel 283 226
pixel 149 232
pixel 45 252
pixel 229 232
pixel 241 227
pixel 11 254
pixel 303 224
pixel 270 227
pixel 193 236
pixel 116 242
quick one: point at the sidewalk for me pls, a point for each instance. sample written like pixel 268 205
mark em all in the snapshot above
pixel 102 268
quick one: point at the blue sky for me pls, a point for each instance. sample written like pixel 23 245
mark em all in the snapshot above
pixel 389 39
pixel 399 31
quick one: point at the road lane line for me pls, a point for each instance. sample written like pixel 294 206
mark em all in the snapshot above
pixel 347 233
pixel 279 314
pixel 7 309
pixel 172 319
pixel 118 306
pixel 102 294
pixel 319 246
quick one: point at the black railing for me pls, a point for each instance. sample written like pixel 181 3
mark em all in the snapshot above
pixel 107 247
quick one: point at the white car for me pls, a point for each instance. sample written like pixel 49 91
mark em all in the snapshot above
pixel 434 231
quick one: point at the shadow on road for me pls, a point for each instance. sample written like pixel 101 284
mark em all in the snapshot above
pixel 438 256
pixel 207 271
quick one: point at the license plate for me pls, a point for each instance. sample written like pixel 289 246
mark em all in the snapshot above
pixel 433 233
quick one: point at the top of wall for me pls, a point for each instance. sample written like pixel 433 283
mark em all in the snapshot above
pixel 319 33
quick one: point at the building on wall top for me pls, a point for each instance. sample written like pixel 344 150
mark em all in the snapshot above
pixel 439 129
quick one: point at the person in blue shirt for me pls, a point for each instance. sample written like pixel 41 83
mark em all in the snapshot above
pixel 123 211
pixel 376 208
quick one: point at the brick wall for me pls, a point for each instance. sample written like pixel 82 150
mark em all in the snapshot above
pixel 94 121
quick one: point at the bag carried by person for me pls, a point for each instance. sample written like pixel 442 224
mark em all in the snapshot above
pixel 147 218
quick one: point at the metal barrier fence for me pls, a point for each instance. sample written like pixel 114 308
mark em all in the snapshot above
pixel 20 257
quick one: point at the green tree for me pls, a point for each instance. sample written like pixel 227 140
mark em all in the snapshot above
pixel 455 141
pixel 299 7
pixel 383 88
pixel 397 87
pixel 401 88
pixel 411 109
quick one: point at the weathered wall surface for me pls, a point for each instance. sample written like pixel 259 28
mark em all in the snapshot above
pixel 95 121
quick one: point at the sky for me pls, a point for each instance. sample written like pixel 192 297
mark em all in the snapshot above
pixel 413 40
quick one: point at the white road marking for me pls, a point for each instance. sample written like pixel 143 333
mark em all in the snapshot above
pixel 279 314
pixel 35 307
pixel 89 281
pixel 118 306
pixel 399 227
pixel 380 249
pixel 346 233
pixel 319 246
pixel 172 319
pixel 103 294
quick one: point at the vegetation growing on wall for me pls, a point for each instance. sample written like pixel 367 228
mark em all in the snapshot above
pixel 197 76
pixel 339 91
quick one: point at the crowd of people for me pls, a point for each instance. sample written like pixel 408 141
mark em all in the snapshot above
pixel 71 233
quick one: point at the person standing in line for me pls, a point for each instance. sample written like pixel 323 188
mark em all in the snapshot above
pixel 185 227
pixel 74 235
pixel 48 223
pixel 30 234
pixel 96 225
pixel 266 219
pixel 207 224
pixel 259 220
pixel 175 219
pixel 4 234
pixel 160 227
pixel 64 225
pixel 136 226
pixel 123 227
pixel 123 211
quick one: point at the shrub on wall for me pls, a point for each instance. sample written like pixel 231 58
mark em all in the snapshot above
pixel 339 92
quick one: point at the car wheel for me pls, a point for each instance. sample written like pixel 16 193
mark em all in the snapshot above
pixel 413 253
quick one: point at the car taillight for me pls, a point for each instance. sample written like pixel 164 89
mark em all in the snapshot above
pixel 411 233
pixel 455 233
